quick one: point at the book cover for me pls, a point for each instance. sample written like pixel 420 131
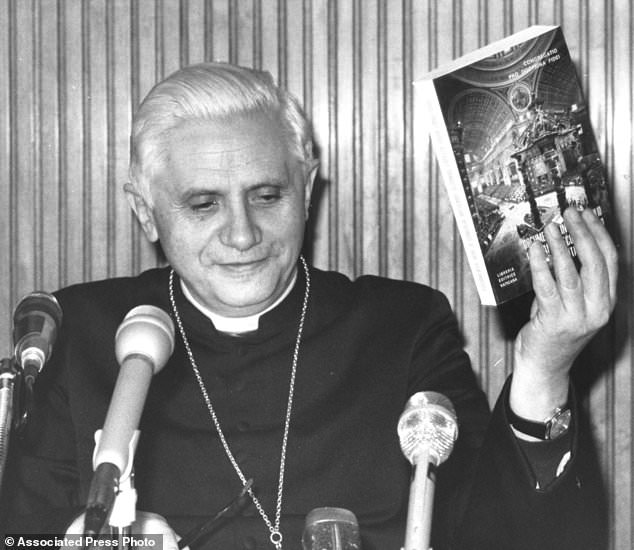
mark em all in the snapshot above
pixel 511 131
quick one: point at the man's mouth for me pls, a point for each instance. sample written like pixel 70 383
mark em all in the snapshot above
pixel 243 266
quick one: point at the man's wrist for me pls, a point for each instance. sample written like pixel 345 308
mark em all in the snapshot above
pixel 536 393
pixel 552 427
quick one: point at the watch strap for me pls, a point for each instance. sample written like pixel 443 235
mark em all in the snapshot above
pixel 551 428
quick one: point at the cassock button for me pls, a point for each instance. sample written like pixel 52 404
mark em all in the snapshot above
pixel 243 426
pixel 250 544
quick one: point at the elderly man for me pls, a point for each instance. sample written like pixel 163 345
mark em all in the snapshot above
pixel 296 377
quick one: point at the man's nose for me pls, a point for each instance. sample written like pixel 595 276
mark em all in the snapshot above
pixel 241 230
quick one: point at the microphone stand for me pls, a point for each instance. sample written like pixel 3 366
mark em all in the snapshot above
pixel 8 374
pixel 123 513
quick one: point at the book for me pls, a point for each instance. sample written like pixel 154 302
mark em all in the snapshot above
pixel 511 131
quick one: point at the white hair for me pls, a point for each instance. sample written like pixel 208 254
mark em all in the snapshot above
pixel 211 92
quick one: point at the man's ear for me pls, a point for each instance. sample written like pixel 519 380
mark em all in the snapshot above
pixel 143 212
pixel 308 185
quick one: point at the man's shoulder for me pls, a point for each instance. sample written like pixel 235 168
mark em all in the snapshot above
pixel 116 293
pixel 374 291
pixel 149 277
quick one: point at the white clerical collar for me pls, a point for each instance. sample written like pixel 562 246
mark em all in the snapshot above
pixel 235 325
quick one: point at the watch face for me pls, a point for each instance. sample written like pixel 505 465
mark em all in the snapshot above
pixel 559 424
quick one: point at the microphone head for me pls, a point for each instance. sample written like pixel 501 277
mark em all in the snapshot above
pixel 331 529
pixel 147 331
pixel 429 424
pixel 36 321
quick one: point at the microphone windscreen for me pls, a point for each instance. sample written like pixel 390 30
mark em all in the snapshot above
pixel 147 331
pixel 428 422
pixel 330 528
pixel 38 302
pixel 36 321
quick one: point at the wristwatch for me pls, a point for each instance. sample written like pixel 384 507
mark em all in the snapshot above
pixel 551 428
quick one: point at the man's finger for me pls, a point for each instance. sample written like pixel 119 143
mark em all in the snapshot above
pixel 594 271
pixel 607 247
pixel 544 285
pixel 566 274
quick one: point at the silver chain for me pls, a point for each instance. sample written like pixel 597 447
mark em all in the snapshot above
pixel 276 535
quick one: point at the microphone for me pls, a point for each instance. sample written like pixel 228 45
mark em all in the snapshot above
pixel 36 321
pixel 143 343
pixel 427 430
pixel 331 529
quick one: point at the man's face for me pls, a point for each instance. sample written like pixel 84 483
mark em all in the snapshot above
pixel 230 206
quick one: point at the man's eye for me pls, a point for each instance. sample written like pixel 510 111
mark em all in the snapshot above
pixel 267 196
pixel 202 204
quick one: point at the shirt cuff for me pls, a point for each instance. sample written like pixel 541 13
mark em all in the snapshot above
pixel 546 458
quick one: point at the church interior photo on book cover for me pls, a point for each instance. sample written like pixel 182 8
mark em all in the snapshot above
pixel 521 135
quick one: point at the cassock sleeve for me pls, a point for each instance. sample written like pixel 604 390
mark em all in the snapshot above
pixel 41 485
pixel 486 492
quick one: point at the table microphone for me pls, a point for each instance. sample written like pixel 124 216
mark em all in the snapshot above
pixel 427 430
pixel 36 321
pixel 331 529
pixel 143 343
